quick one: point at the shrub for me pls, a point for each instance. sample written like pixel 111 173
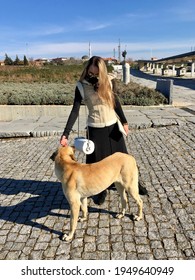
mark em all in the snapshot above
pixel 134 94
pixel 48 73
pixel 36 93
pixel 63 94
pixel 53 84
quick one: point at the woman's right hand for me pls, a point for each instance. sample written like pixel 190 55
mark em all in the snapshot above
pixel 64 141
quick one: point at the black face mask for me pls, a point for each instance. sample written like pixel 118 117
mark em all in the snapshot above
pixel 92 79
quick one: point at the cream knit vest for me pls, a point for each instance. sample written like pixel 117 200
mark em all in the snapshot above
pixel 99 114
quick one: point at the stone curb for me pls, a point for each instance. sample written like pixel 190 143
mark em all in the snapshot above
pixel 46 133
pixel 142 118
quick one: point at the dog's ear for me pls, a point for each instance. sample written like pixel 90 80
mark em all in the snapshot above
pixel 73 147
pixel 73 153
pixel 53 156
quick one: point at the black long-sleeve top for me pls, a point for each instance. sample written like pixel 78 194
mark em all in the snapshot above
pixel 75 112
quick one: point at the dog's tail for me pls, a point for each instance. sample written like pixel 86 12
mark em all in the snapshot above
pixel 53 156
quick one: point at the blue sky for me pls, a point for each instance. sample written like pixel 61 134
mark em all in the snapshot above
pixel 55 28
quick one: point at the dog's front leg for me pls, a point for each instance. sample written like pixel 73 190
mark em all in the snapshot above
pixel 75 208
pixel 123 197
pixel 83 209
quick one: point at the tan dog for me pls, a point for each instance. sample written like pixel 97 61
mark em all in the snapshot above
pixel 80 180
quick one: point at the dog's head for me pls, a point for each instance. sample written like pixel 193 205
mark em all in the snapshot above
pixel 64 153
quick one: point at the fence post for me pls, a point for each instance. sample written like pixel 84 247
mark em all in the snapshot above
pixel 165 86
pixel 126 73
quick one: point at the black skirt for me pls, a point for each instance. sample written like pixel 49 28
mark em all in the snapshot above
pixel 107 140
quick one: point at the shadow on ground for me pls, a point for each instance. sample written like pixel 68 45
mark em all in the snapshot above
pixel 27 201
pixel 30 200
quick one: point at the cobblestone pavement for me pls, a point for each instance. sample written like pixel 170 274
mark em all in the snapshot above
pixel 34 212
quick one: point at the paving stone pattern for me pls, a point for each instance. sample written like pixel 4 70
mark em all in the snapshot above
pixel 34 211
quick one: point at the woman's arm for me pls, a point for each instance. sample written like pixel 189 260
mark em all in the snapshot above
pixel 73 114
pixel 119 110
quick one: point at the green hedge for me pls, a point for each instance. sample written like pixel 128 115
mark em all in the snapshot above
pixel 51 84
pixel 36 93
pixel 135 94
pixel 63 94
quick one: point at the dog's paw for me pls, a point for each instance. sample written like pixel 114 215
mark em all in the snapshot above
pixel 66 238
pixel 82 219
pixel 136 218
pixel 120 216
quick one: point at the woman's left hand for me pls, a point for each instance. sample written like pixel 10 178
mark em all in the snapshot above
pixel 126 128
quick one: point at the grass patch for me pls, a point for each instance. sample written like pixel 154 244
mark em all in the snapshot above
pixel 36 93
pixel 55 85
pixel 49 73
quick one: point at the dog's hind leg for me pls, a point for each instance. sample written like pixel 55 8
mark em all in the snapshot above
pixel 134 193
pixel 133 189
pixel 75 208
pixel 83 209
pixel 123 196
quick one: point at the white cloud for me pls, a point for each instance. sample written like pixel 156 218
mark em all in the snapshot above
pixel 89 24
pixel 136 50
pixel 98 27
pixel 47 30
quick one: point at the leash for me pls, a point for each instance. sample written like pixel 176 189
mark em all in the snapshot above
pixel 80 87
pixel 88 148
pixel 87 130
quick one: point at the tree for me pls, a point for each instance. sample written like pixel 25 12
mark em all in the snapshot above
pixel 8 60
pixel 17 61
pixel 25 60
pixel 85 57
pixel 124 53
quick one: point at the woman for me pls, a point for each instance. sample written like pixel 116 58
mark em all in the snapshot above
pixel 103 106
